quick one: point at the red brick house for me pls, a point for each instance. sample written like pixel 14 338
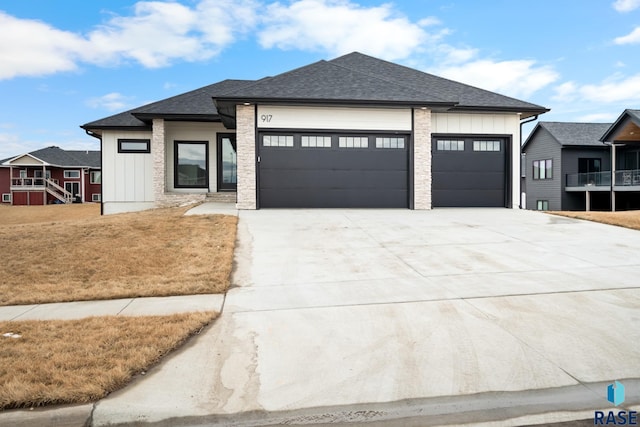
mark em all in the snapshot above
pixel 51 175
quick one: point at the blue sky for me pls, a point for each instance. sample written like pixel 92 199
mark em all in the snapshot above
pixel 64 63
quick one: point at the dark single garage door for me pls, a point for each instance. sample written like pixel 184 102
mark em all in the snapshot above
pixel 469 172
pixel 315 170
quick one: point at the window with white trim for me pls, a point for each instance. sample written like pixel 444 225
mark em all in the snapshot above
pixel 38 174
pixel 277 140
pixel 450 145
pixel 486 145
pixel 95 177
pixel 353 142
pixel 71 174
pixel 391 142
pixel 96 197
pixel 23 173
pixel 315 141
pixel 6 197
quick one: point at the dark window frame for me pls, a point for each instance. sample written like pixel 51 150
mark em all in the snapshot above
pixel 547 167
pixel 122 150
pixel 176 143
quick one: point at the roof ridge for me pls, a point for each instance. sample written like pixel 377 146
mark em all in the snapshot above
pixel 381 78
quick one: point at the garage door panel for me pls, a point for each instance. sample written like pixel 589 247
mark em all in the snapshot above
pixel 468 178
pixel 331 198
pixel 333 177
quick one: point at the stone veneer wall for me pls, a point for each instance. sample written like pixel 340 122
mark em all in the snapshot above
pixel 246 152
pixel 422 158
pixel 163 199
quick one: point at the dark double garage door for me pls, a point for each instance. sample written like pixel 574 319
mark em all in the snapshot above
pixel 300 170
pixel 333 171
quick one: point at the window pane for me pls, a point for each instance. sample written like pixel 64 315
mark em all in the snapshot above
pixel 536 169
pixel 191 165
pixel 96 177
pixel 549 169
pixel 134 146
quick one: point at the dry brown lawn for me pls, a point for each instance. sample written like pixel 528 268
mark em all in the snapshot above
pixel 79 361
pixel 70 253
pixel 628 219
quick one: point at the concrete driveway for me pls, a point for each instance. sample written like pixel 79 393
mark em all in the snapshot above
pixel 402 317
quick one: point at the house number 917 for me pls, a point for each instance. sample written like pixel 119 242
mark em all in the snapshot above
pixel 266 118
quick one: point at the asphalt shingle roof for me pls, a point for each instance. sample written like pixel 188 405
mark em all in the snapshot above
pixel 633 115
pixel 59 157
pixel 196 102
pixel 574 134
pixel 352 78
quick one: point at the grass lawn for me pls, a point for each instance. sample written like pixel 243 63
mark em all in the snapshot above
pixel 628 219
pixel 70 253
pixel 79 361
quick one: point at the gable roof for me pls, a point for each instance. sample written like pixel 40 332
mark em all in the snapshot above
pixel 626 127
pixel 55 156
pixel 572 134
pixel 354 78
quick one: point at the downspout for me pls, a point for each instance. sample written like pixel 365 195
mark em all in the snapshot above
pixel 88 132
pixel 523 122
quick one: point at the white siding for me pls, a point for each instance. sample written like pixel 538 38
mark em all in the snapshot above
pixel 127 177
pixel 333 118
pixel 485 124
pixel 192 131
pixel 26 161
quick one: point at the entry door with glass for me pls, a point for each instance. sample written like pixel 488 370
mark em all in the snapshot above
pixel 227 162
pixel 73 188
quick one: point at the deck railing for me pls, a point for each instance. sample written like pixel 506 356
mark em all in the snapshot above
pixel 599 179
pixel 623 178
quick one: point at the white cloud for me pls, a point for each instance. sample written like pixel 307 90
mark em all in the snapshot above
pixel 631 38
pixel 339 27
pixel 112 102
pixel 33 48
pixel 626 5
pixel 156 35
pixel 514 78
pixel 566 92
pixel 599 117
pixel 615 89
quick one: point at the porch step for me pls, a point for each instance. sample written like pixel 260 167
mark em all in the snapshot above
pixel 222 197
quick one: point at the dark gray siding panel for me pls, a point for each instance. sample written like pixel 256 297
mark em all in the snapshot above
pixel 543 147
pixel 296 177
pixel 469 178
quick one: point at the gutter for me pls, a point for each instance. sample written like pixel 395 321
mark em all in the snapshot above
pixel 524 122
pixel 90 133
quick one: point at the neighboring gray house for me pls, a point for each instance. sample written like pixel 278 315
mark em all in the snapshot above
pixel 568 166
pixel 554 153
pixel 355 131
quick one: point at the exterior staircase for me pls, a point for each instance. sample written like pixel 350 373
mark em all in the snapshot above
pixel 58 192
pixel 221 197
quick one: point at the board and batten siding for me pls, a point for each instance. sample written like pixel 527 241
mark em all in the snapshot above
pixel 482 124
pixel 192 131
pixel 544 147
pixel 127 183
pixel 333 118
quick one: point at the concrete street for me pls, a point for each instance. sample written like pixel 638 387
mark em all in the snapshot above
pixel 398 317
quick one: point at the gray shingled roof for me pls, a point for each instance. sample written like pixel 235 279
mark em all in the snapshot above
pixel 352 78
pixel 59 157
pixel 197 102
pixel 445 89
pixel 572 134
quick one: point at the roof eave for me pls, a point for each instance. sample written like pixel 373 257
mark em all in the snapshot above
pixel 177 117
pixel 525 112
pixel 331 102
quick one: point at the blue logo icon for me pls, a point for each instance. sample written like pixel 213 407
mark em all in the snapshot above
pixel 615 393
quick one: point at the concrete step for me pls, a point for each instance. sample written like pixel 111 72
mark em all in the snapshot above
pixel 223 197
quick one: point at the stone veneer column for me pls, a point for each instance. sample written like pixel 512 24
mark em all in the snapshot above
pixel 246 152
pixel 422 159
pixel 159 160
